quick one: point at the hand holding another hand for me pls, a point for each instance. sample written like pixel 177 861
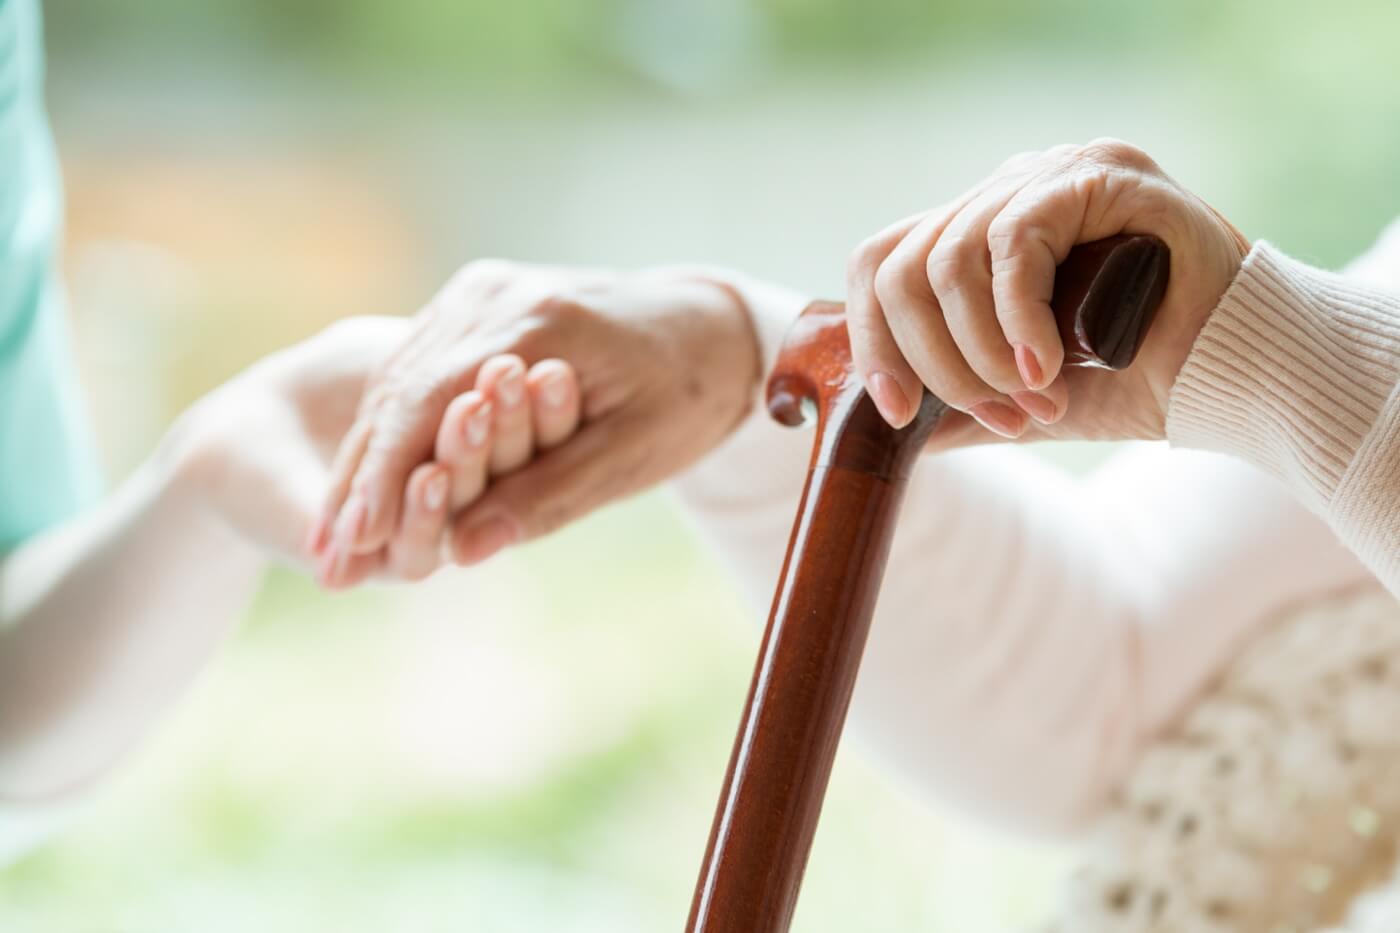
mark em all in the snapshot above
pixel 258 451
pixel 511 415
pixel 666 363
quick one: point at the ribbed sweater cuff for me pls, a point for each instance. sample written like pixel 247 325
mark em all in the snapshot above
pixel 1291 373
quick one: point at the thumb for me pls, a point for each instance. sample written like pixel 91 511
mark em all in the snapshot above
pixel 290 501
pixel 599 465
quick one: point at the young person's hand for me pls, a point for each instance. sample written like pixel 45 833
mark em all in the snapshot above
pixel 667 365
pixel 258 451
pixel 512 414
pixel 956 299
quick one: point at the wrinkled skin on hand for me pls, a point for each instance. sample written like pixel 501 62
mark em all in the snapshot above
pixel 956 299
pixel 666 363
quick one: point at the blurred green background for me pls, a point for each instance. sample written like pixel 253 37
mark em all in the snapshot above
pixel 537 745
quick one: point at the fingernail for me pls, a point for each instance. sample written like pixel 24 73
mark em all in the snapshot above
pixel 1031 373
pixel 485 537
pixel 329 572
pixel 889 398
pixel 348 531
pixel 324 567
pixel 511 388
pixel 555 391
pixel 351 522
pixel 316 535
pixel 999 419
pixel 1037 406
pixel 479 425
pixel 435 492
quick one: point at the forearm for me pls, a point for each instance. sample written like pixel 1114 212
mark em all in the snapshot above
pixel 104 620
pixel 1034 630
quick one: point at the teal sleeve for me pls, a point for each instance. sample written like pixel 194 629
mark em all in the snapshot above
pixel 48 467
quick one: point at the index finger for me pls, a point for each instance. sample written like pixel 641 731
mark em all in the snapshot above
pixel 347 460
pixel 401 433
pixel 889 379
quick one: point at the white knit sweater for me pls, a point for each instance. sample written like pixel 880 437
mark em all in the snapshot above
pixel 1296 372
pixel 1015 625
pixel 1196 668
pixel 1273 803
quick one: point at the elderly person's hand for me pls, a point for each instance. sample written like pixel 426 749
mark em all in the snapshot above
pixel 956 299
pixel 667 364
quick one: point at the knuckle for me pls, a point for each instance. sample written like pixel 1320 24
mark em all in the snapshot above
pixel 1011 236
pixel 411 395
pixel 891 284
pixel 861 323
pixel 864 260
pixel 1062 160
pixel 559 310
pixel 550 319
pixel 371 481
pixel 533 338
pixel 378 395
pixel 1009 312
pixel 1019 162
pixel 949 263
pixel 406 409
pixel 1008 280
pixel 1109 151
pixel 379 375
pixel 942 273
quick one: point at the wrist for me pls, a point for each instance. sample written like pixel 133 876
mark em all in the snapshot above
pixel 734 320
pixel 189 464
pixel 1290 373
pixel 721 345
pixel 768 311
pixel 1202 294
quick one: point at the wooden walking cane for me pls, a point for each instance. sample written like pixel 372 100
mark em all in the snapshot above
pixel 1105 296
